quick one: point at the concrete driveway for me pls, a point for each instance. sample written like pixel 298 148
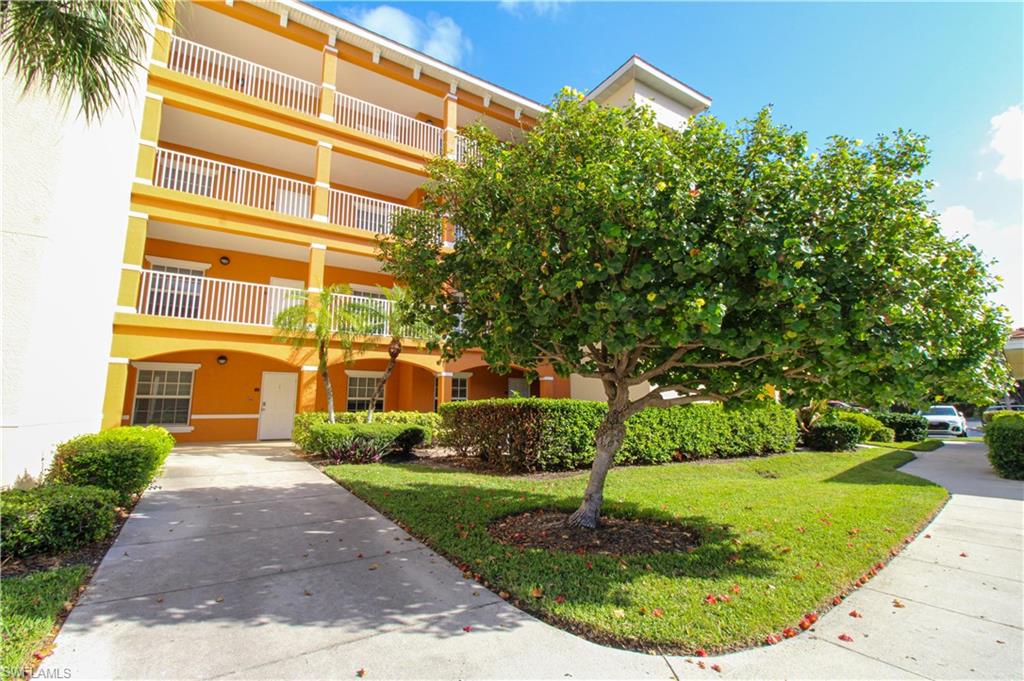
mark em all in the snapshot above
pixel 246 562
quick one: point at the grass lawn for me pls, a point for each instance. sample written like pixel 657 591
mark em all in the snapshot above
pixel 31 606
pixel 928 445
pixel 782 537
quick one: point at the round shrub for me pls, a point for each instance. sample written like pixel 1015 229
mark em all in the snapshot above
pixel 428 421
pixel 124 460
pixel 834 436
pixel 54 518
pixel 1005 439
pixel 908 427
pixel 884 434
pixel 867 425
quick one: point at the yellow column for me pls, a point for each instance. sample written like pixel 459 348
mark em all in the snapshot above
pixel 315 273
pixel 113 397
pixel 328 84
pixel 322 188
pixel 307 389
pixel 450 115
pixel 131 269
pixel 152 110
pixel 162 35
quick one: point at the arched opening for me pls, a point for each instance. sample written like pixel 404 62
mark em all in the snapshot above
pixel 213 395
pixel 410 387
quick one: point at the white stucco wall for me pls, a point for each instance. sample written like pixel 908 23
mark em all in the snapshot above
pixel 667 111
pixel 66 191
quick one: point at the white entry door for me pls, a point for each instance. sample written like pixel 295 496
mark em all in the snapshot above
pixel 518 386
pixel 278 393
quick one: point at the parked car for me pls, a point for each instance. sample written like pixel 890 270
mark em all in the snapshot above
pixel 945 419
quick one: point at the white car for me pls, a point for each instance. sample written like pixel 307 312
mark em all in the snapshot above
pixel 945 419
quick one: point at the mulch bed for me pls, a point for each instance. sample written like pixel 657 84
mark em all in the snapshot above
pixel 616 536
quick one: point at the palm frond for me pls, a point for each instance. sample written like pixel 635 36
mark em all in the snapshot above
pixel 84 49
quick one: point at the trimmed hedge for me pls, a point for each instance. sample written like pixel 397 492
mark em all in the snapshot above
pixel 832 436
pixel 529 434
pixel 1005 440
pixel 362 442
pixel 427 420
pixel 884 434
pixel 124 460
pixel 990 416
pixel 867 425
pixel 54 518
pixel 908 427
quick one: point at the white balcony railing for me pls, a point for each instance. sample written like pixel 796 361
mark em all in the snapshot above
pixel 216 180
pixel 372 316
pixel 362 212
pixel 465 149
pixel 391 125
pixel 186 296
pixel 241 75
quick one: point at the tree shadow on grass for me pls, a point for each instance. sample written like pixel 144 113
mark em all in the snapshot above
pixel 881 470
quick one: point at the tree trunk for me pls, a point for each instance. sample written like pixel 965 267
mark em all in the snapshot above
pixel 609 438
pixel 328 390
pixel 394 350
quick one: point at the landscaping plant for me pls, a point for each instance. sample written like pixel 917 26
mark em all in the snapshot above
pixel 867 426
pixel 832 436
pixel 907 427
pixel 428 421
pixel 362 442
pixel 714 263
pixel 124 459
pixel 54 518
pixel 1005 439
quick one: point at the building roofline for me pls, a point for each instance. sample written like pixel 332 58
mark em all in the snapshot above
pixel 655 77
pixel 330 24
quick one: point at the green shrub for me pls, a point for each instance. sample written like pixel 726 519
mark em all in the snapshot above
pixel 884 434
pixel 867 425
pixel 1005 440
pixel 427 420
pixel 908 427
pixel 362 442
pixel 558 434
pixel 121 459
pixel 832 436
pixel 54 518
pixel 990 416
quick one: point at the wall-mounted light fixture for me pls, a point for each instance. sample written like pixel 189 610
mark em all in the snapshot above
pixel 222 359
pixel 225 260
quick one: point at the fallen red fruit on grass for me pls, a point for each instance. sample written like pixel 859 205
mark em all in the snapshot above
pixel 700 652
pixel 772 639
pixel 724 598
pixel 735 588
pixel 657 612
pixel 559 599
pixel 789 632
pixel 811 617
pixel 854 613
pixel 846 637
pixel 837 600
pixel 710 599
pixel 805 624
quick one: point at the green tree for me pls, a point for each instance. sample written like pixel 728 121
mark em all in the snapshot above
pixel 87 49
pixel 325 322
pixel 714 263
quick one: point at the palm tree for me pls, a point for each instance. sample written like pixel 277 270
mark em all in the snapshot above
pixel 325 322
pixel 87 49
pixel 397 323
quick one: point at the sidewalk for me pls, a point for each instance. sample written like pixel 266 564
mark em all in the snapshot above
pixel 247 562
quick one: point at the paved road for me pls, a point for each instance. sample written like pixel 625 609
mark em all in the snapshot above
pixel 248 563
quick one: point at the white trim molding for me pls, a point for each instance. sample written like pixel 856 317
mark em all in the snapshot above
pixel 359 373
pixel 137 214
pixel 144 180
pixel 546 378
pixel 327 117
pixel 445 374
pixel 131 267
pixel 321 218
pixel 325 145
pixel 126 309
pixel 319 247
pixel 147 143
pixel 174 262
pixel 310 367
pixel 314 289
pixel 118 360
pixel 176 429
pixel 222 417
pixel 166 366
pixel 153 95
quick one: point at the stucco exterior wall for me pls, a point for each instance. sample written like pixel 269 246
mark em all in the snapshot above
pixel 66 188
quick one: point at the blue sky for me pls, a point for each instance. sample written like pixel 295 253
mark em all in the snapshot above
pixel 954 72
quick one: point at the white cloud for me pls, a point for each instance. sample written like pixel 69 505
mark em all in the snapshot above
pixel 540 7
pixel 1006 138
pixel 438 36
pixel 1002 243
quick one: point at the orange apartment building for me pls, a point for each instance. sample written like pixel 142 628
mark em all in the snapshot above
pixel 276 143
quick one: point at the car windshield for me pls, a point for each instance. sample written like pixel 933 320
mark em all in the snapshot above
pixel 941 411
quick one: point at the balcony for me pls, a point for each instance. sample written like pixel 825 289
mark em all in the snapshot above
pixel 255 189
pixel 206 299
pixel 248 78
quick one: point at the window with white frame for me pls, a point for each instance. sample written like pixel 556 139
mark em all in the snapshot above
pixel 163 396
pixel 460 388
pixel 360 391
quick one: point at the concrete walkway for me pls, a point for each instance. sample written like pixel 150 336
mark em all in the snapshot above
pixel 248 563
